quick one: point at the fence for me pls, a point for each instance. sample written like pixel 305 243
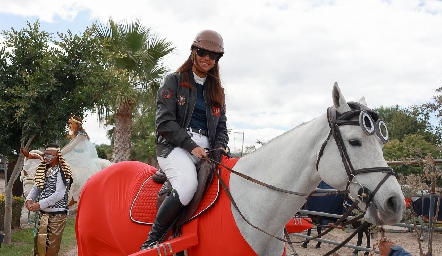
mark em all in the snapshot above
pixel 322 192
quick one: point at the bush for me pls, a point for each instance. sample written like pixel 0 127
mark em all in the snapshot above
pixel 17 205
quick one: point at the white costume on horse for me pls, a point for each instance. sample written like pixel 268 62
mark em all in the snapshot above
pixel 29 168
pixel 82 157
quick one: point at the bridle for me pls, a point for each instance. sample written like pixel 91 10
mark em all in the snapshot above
pixel 368 120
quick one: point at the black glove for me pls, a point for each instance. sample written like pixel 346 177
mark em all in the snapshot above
pixel 217 154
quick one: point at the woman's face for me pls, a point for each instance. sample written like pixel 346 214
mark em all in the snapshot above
pixel 204 61
pixel 73 126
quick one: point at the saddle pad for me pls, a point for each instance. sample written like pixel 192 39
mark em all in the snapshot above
pixel 144 208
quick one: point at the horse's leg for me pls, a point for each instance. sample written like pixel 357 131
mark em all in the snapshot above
pixel 359 242
pixel 309 232
pixel 304 244
pixel 319 229
pixel 368 235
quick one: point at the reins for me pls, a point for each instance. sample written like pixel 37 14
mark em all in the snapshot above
pixel 226 189
pixel 229 195
pixel 246 177
pixel 364 194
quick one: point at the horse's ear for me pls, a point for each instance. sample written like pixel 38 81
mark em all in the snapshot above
pixel 339 101
pixel 25 152
pixel 362 101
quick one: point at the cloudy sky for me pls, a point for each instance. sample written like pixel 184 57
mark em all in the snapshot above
pixel 281 56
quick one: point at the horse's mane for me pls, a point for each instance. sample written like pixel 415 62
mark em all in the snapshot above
pixel 356 108
pixel 281 135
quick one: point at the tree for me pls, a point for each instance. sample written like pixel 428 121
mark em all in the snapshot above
pixel 435 104
pixel 412 147
pixel 144 135
pixel 104 151
pixel 407 121
pixel 411 135
pixel 43 82
pixel 136 58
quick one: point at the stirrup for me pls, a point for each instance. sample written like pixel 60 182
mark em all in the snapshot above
pixel 147 246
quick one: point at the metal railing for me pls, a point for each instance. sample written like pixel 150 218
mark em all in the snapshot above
pixel 326 192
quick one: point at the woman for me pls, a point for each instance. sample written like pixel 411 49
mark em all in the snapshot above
pixel 190 118
pixel 81 155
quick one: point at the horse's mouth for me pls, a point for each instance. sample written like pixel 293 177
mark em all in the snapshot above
pixel 378 217
pixel 375 216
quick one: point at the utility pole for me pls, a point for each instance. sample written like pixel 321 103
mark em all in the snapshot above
pixel 242 142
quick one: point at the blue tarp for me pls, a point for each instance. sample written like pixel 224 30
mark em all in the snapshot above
pixel 328 204
pixel 419 210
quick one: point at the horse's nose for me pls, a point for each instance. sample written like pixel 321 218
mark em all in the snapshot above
pixel 394 204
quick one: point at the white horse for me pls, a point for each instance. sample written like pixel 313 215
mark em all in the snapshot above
pixel 27 174
pixel 342 147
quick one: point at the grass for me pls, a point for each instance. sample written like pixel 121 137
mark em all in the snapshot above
pixel 23 241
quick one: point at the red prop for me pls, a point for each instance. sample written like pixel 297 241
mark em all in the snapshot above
pixel 112 208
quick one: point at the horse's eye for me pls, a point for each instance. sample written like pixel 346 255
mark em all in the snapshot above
pixel 355 142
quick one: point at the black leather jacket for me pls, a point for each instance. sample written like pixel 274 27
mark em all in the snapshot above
pixel 175 104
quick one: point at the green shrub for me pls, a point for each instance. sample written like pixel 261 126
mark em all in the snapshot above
pixel 17 205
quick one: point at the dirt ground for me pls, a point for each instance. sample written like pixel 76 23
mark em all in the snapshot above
pixel 400 236
pixel 404 238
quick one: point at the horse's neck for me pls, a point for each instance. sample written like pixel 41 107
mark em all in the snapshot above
pixel 288 162
pixel 31 166
pixel 289 157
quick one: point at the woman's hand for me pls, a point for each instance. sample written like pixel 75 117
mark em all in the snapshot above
pixel 199 152
pixel 217 154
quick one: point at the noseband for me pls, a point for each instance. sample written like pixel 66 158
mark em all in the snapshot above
pixel 368 120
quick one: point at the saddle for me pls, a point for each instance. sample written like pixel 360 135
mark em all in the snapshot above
pixel 204 174
pixel 153 189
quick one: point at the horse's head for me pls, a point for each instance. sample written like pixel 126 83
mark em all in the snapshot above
pixel 33 154
pixel 351 158
pixel 33 159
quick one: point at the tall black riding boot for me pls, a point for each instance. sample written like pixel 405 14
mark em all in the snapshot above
pixel 168 212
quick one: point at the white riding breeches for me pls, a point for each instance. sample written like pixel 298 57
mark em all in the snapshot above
pixel 180 168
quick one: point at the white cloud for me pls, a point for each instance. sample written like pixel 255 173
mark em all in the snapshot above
pixel 95 130
pixel 282 57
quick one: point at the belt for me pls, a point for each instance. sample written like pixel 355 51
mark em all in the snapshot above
pixel 54 213
pixel 199 131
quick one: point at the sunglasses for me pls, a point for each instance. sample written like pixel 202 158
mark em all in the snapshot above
pixel 212 55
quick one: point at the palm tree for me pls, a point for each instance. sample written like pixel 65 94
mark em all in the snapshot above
pixel 136 56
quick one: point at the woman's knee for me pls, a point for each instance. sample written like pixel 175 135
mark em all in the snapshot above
pixel 186 194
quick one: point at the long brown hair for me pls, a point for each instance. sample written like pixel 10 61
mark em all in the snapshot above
pixel 79 123
pixel 215 89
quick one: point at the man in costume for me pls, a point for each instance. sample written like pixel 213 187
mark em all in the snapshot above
pixel 49 196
